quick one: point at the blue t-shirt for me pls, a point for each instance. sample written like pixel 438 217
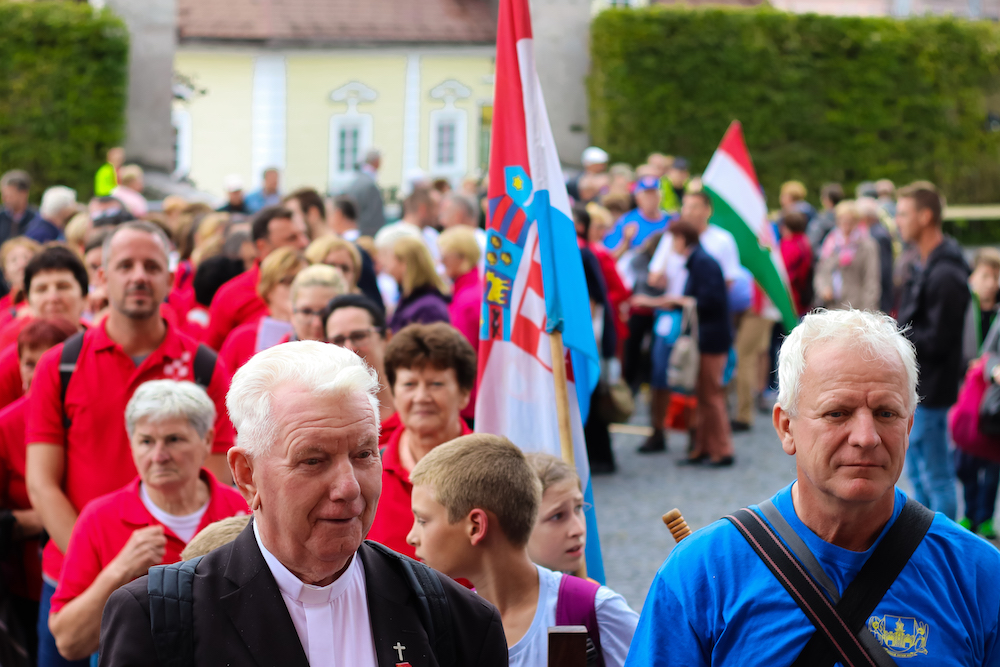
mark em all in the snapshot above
pixel 714 602
pixel 645 228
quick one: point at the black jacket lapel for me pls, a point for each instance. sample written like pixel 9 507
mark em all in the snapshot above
pixel 257 608
pixel 392 609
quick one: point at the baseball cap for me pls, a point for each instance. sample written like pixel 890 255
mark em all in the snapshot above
pixel 647 183
pixel 234 183
pixel 594 155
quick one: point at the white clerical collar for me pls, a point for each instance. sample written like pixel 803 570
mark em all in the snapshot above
pixel 307 594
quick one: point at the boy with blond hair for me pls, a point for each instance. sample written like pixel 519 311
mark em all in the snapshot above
pixel 475 501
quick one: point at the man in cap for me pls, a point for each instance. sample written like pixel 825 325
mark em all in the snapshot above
pixel 234 195
pixel 595 161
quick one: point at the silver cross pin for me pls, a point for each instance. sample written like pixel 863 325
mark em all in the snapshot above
pixel 399 648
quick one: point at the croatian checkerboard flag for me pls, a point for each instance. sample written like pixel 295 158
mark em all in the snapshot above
pixel 533 281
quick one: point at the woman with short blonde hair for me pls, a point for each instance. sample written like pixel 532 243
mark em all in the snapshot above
pixel 312 289
pixel 849 274
pixel 421 289
pixel 277 273
pixel 339 253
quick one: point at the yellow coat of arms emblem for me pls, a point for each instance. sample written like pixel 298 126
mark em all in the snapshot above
pixel 901 637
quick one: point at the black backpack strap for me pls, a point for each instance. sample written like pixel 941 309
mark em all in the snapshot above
pixel 806 557
pixel 435 611
pixel 67 364
pixel 171 612
pixel 204 366
pixel 804 590
pixel 875 577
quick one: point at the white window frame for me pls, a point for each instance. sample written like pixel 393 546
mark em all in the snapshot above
pixel 180 118
pixel 449 92
pixel 340 176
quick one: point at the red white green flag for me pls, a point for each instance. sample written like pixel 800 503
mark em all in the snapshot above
pixel 740 209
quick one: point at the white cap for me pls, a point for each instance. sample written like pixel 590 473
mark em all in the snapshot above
pixel 234 183
pixel 594 155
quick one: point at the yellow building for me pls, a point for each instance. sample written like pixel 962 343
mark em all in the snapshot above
pixel 311 91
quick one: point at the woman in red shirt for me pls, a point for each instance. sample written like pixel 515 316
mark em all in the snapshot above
pixel 118 537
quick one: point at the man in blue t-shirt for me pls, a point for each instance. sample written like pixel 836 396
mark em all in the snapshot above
pixel 633 228
pixel 848 391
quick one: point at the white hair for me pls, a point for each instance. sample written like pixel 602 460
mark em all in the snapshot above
pixel 55 200
pixel 319 368
pixel 157 400
pixel 868 208
pixel 386 237
pixel 874 334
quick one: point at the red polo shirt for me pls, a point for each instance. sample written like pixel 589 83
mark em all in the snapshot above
pixel 98 455
pixel 24 576
pixel 236 303
pixel 107 522
pixel 10 376
pixel 394 518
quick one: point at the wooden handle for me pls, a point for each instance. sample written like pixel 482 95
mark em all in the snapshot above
pixel 677 525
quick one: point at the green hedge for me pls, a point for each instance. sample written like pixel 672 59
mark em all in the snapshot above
pixel 63 86
pixel 821 98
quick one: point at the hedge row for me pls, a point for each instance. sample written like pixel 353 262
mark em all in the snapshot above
pixel 821 98
pixel 63 86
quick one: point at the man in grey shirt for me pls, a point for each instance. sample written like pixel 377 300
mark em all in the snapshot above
pixel 371 215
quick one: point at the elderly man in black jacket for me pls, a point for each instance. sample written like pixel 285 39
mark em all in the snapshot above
pixel 933 304
pixel 299 586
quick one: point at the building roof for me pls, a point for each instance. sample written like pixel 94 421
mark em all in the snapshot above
pixel 338 21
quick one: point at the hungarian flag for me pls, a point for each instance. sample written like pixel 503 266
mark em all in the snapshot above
pixel 739 208
pixel 533 281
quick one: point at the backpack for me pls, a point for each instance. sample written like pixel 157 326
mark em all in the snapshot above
pixel 204 368
pixel 576 605
pixel 171 608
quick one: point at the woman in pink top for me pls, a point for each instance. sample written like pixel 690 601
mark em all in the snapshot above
pixel 460 256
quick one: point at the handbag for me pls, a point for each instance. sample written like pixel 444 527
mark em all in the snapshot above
pixel 682 373
pixel 989 407
pixel 966 419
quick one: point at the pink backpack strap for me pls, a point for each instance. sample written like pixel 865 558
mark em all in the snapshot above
pixel 576 605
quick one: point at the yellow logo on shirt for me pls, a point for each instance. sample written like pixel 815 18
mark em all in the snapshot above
pixel 900 636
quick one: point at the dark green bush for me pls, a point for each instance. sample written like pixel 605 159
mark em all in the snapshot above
pixel 63 85
pixel 821 98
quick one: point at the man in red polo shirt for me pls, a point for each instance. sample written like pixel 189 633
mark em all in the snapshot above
pixel 67 466
pixel 237 302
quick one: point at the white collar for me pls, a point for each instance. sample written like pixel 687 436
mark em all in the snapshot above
pixel 296 589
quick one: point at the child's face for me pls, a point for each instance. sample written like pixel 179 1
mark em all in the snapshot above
pixel 985 281
pixel 560 535
pixel 440 544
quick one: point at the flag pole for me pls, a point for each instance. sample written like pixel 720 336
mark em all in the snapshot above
pixel 562 411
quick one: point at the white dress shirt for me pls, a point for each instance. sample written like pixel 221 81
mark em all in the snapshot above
pixel 332 622
pixel 716 241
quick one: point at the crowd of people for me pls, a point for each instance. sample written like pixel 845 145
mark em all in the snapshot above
pixel 138 338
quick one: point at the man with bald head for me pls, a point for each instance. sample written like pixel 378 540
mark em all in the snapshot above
pixel 299 586
pixel 77 445
pixel 839 566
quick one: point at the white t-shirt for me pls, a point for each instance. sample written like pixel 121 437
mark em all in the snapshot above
pixel 183 527
pixel 332 622
pixel 615 620
pixel 716 241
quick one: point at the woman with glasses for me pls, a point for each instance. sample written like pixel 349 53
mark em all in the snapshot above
pixel 277 272
pixel 340 254
pixel 312 289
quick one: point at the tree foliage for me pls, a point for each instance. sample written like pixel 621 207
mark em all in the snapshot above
pixel 821 98
pixel 63 86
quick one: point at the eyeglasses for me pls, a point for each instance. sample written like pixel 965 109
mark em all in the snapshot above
pixel 308 312
pixel 356 337
pixel 346 269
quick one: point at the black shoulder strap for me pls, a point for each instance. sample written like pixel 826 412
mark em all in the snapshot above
pixel 204 366
pixel 67 364
pixel 434 607
pixel 806 557
pixel 876 576
pixel 171 612
pixel 803 589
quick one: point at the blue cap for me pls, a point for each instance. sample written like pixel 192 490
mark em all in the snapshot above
pixel 647 183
